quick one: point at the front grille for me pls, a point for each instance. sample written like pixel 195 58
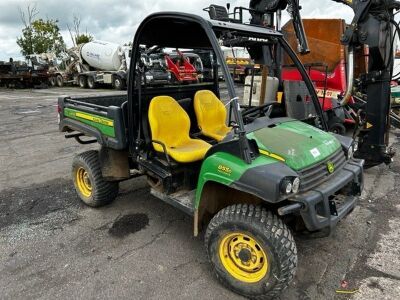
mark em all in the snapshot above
pixel 318 173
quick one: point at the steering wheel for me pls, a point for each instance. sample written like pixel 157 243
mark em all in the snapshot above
pixel 253 113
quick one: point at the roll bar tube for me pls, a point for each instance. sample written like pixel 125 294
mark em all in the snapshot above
pixel 350 78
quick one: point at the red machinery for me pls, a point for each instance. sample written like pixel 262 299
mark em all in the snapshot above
pixel 329 86
pixel 326 65
pixel 181 68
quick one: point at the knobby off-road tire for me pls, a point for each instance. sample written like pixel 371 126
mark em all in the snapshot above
pixel 89 182
pixel 253 231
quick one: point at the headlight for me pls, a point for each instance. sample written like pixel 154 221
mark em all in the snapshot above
pixel 290 185
pixel 286 186
pixel 149 77
pixel 296 185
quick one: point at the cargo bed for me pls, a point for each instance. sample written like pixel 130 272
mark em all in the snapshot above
pixel 101 117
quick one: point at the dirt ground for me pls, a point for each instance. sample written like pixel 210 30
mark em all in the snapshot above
pixel 53 247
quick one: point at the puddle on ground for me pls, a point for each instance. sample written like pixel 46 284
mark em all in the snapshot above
pixel 128 224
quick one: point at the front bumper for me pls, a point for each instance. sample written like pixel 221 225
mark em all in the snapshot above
pixel 325 205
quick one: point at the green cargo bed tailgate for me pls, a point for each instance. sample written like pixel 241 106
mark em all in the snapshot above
pixel 86 115
pixel 105 125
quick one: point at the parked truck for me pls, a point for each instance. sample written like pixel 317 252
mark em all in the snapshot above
pixel 95 63
pixel 240 63
pixel 24 74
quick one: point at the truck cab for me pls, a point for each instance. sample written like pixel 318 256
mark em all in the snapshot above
pixel 249 175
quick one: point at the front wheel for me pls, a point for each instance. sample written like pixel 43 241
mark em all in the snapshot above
pixel 89 182
pixel 118 83
pixel 252 251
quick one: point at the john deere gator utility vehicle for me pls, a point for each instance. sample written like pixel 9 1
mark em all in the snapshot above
pixel 247 175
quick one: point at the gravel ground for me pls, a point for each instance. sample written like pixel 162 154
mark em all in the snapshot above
pixel 51 246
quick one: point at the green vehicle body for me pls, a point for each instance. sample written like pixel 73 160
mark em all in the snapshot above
pixel 291 143
pixel 288 146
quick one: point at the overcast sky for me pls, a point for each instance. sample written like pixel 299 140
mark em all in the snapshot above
pixel 116 21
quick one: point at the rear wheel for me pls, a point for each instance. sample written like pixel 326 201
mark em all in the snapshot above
pixel 89 182
pixel 60 81
pixel 82 81
pixel 91 82
pixel 253 253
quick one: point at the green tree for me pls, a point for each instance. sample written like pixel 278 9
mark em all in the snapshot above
pixel 83 38
pixel 76 36
pixel 41 36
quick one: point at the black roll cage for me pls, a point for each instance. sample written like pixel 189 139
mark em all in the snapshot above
pixel 209 27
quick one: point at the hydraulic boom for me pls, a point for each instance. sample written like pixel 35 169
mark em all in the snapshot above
pixel 373 26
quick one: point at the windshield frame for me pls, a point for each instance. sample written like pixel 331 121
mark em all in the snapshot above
pixel 268 34
pixel 209 39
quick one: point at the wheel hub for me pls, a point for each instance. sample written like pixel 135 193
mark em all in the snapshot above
pixel 243 257
pixel 83 182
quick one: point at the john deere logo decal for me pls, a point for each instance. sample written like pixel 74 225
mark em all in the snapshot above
pixel 330 166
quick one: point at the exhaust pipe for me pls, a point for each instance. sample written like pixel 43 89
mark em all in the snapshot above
pixel 350 78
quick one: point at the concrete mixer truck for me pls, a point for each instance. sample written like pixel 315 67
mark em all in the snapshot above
pixel 95 63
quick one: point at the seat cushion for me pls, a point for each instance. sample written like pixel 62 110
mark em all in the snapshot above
pixel 170 124
pixel 191 151
pixel 218 134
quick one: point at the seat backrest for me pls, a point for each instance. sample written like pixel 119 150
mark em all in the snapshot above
pixel 210 111
pixel 218 12
pixel 169 123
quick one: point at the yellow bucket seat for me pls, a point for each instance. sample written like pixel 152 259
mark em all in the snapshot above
pixel 211 115
pixel 170 125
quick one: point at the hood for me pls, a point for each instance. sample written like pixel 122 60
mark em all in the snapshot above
pixel 298 144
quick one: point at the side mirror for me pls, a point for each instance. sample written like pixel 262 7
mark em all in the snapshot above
pixel 228 6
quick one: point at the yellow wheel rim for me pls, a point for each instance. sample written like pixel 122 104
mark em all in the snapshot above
pixel 243 257
pixel 83 182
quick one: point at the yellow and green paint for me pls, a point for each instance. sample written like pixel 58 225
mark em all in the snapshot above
pixel 105 125
pixel 295 143
pixel 292 143
pixel 225 168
